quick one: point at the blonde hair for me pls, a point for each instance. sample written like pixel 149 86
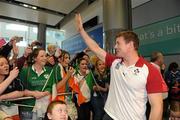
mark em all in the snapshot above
pixel 50 46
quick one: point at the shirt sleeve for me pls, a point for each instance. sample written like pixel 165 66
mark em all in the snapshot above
pixel 57 74
pixel 23 76
pixel 155 82
pixel 20 62
pixel 109 59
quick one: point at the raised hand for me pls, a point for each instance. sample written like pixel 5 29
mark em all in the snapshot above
pixel 71 71
pixel 27 51
pixel 15 50
pixel 79 24
pixel 14 73
pixel 58 52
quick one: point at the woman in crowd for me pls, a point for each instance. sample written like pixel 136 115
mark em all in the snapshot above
pixel 37 79
pixel 63 74
pixel 64 79
pixel 52 55
pixel 10 86
pixel 83 81
pixel 100 90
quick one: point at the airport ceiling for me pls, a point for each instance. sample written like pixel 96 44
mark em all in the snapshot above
pixel 49 12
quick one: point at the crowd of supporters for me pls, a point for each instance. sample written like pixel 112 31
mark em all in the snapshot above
pixel 78 87
pixel 31 81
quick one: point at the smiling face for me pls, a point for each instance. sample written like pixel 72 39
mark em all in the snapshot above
pixel 58 112
pixel 83 66
pixel 121 47
pixel 4 66
pixel 65 60
pixel 41 58
pixel 100 66
pixel 127 43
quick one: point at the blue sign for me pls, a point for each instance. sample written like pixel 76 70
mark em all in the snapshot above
pixel 76 44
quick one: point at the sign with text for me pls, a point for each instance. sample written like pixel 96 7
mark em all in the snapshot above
pixel 161 36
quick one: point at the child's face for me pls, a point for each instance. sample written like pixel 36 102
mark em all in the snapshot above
pixel 59 112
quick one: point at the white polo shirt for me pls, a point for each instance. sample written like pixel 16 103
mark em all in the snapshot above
pixel 129 87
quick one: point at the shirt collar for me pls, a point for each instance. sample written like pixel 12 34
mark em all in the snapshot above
pixel 43 70
pixel 140 62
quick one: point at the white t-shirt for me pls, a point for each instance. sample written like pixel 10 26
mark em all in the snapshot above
pixel 129 87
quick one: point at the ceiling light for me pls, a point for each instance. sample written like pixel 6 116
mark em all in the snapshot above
pixel 16 27
pixel 25 5
pixel 33 7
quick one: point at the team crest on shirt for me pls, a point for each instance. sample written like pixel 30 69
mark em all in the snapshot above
pixel 46 76
pixel 118 65
pixel 136 71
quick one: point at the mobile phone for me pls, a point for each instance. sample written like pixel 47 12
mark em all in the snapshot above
pixel 18 39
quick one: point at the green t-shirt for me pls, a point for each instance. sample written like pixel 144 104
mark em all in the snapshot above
pixel 33 82
pixel 59 74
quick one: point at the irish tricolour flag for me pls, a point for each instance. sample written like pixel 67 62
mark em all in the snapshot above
pixel 83 86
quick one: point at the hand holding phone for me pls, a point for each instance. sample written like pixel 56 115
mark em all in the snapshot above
pixel 18 39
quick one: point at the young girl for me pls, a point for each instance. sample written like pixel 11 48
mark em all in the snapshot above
pixel 57 110
pixel 100 90
pixel 64 79
pixel 84 83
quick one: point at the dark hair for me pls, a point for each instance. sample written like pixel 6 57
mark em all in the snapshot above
pixel 36 43
pixel 63 53
pixel 81 54
pixel 79 60
pixel 76 59
pixel 3 57
pixel 34 54
pixel 130 36
pixel 173 66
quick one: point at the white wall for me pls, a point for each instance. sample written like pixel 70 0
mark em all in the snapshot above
pixel 147 13
pixel 94 9
pixel 154 11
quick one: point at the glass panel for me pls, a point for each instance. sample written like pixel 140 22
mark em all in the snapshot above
pixel 9 29
pixel 54 36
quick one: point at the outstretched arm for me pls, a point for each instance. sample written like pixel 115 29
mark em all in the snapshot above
pixel 93 46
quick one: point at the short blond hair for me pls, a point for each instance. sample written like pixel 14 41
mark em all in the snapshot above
pixel 50 46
